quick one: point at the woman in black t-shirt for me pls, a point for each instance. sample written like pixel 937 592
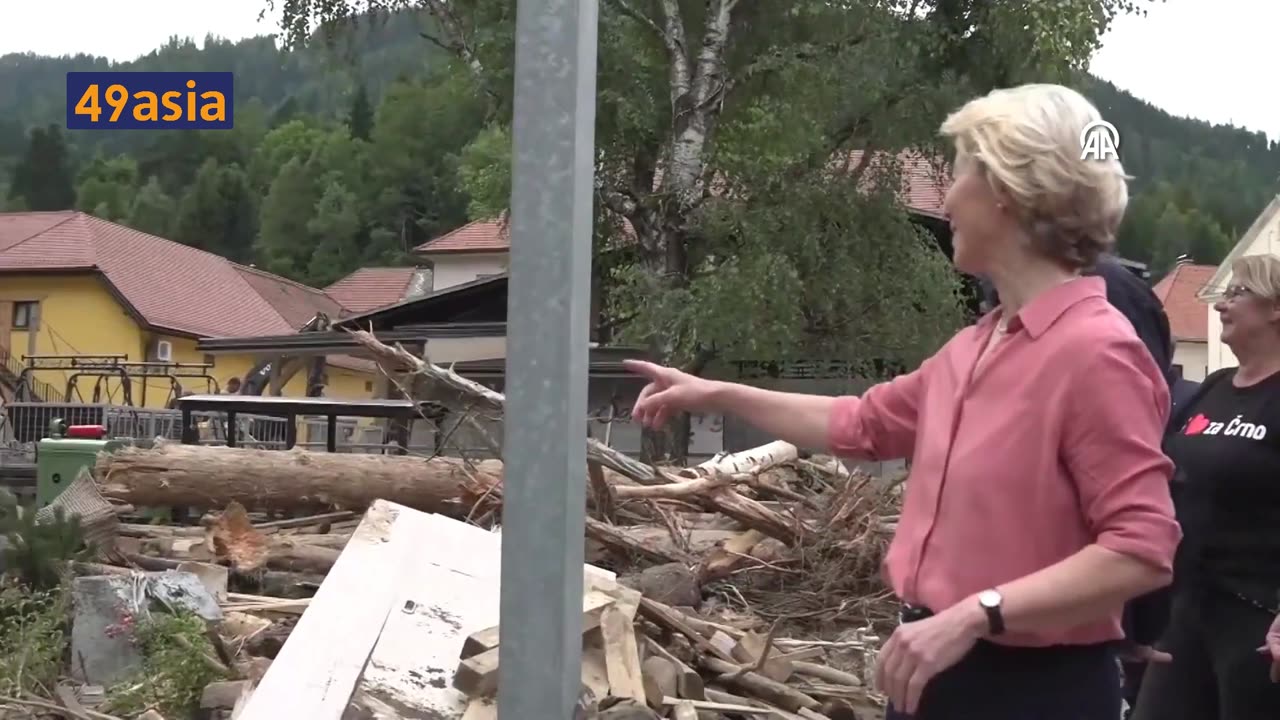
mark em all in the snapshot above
pixel 1227 491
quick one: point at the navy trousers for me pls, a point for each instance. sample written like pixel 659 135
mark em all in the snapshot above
pixel 996 682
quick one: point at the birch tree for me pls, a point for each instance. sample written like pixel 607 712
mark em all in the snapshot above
pixel 746 190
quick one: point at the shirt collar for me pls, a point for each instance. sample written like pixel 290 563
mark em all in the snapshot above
pixel 1045 309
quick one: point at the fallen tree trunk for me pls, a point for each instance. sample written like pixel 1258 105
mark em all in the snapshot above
pixel 211 477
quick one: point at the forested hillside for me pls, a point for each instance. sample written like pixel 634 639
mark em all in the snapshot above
pixel 1196 187
pixel 349 155
pixel 340 157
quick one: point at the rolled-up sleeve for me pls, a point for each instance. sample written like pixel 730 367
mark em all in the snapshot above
pixel 881 423
pixel 1111 445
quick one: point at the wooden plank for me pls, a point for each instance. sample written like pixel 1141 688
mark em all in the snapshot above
pixel 593 603
pixel 317 669
pixel 595 674
pixel 451 590
pixel 720 707
pixel 749 650
pixel 477 674
pixel 622 655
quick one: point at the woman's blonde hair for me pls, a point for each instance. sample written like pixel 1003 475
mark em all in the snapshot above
pixel 1259 274
pixel 1027 141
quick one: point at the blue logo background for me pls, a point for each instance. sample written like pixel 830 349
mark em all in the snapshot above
pixel 176 104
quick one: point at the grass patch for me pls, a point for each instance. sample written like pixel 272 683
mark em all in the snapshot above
pixel 175 670
pixel 33 638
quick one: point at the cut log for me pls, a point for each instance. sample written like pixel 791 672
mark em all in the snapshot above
pixel 759 686
pixel 660 678
pixel 212 477
pixel 751 513
pixel 688 681
pixel 729 556
pixel 830 674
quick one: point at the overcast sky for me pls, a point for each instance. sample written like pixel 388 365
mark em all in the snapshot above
pixel 1209 59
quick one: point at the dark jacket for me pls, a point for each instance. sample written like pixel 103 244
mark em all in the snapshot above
pixel 1131 295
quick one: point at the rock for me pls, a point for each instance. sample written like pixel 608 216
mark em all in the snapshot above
pixel 213 577
pixel 107 608
pixel 628 710
pixel 670 584
pixel 102 648
pixel 238 626
pixel 839 710
pixel 224 695
pixel 183 591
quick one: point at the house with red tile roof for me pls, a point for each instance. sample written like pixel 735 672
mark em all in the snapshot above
pixel 72 284
pixel 474 251
pixel 1188 315
pixel 375 287
pixel 479 249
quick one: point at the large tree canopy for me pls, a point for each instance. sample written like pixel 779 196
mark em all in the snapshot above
pixel 733 235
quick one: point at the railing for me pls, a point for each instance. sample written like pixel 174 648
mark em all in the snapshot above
pixel 12 373
pixel 29 423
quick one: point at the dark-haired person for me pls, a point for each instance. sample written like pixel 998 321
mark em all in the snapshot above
pixel 1038 502
pixel 1227 492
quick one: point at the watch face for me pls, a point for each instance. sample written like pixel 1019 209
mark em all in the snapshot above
pixel 989 598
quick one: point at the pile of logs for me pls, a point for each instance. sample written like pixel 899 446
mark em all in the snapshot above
pixel 655 640
pixel 661 640
pixel 642 660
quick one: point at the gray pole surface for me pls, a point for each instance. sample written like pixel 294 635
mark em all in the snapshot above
pixel 544 450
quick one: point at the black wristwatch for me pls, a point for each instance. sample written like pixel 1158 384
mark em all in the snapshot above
pixel 990 600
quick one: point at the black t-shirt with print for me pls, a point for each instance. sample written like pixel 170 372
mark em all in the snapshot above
pixel 1227 488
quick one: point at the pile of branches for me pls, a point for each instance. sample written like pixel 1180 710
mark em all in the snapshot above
pixel 765 543
pixel 765 536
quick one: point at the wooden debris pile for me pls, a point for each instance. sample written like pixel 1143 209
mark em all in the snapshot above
pixel 644 659
pixel 773 610
pixel 746 586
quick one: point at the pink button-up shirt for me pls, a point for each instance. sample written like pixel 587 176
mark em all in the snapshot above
pixel 1051 444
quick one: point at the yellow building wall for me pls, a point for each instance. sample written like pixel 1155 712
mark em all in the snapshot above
pixel 79 316
pixel 347 384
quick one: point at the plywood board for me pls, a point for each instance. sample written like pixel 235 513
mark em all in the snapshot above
pixel 451 590
pixel 318 668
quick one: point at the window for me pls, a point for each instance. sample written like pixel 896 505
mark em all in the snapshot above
pixel 24 314
pixel 368 386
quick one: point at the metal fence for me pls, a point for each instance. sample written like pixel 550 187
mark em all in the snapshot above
pixel 25 387
pixel 29 422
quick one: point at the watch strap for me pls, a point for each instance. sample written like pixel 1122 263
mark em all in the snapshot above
pixel 995 618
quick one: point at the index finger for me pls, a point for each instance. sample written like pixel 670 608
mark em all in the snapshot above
pixel 653 371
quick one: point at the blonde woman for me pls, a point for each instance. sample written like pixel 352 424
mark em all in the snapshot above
pixel 1227 450
pixel 1038 502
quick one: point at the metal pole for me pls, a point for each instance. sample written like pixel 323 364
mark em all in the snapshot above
pixel 546 372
